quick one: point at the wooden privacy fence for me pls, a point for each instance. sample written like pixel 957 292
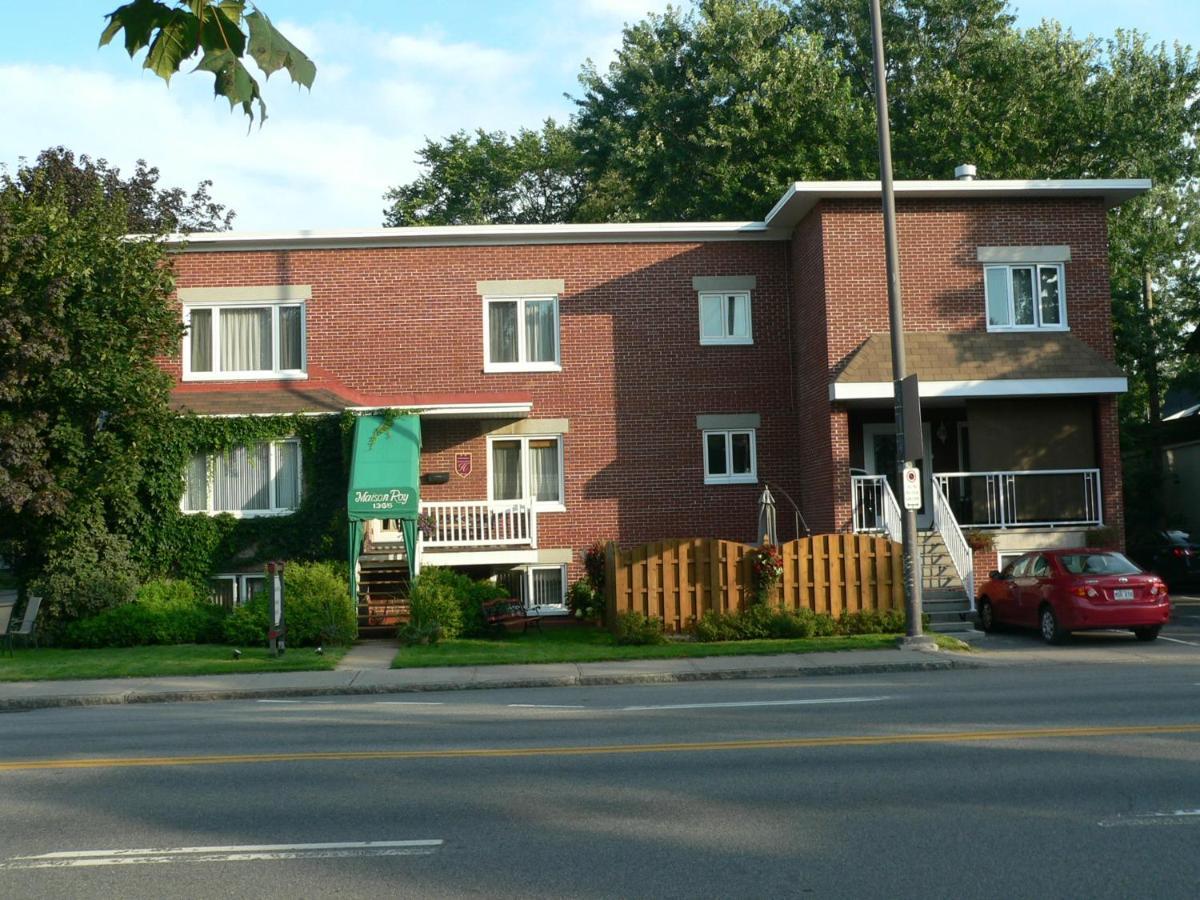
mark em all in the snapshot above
pixel 679 581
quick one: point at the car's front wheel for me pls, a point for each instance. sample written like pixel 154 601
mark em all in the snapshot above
pixel 1051 632
pixel 1147 634
pixel 987 615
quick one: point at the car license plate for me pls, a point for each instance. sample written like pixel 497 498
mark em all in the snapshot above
pixel 1123 594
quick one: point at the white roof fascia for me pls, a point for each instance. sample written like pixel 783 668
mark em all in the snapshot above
pixel 476 235
pixel 991 387
pixel 462 410
pixel 802 196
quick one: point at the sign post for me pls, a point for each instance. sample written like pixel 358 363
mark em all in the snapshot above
pixel 277 632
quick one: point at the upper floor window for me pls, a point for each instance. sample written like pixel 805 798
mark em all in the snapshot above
pixel 520 334
pixel 526 468
pixel 725 318
pixel 729 457
pixel 243 340
pixel 1024 297
pixel 253 480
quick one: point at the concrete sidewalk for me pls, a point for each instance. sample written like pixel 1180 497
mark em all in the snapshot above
pixel 23 695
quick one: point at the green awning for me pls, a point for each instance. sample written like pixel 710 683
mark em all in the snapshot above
pixel 385 469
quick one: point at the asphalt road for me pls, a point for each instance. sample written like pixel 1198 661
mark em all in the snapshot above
pixel 1055 780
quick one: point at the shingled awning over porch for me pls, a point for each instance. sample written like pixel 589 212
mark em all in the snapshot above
pixel 980 364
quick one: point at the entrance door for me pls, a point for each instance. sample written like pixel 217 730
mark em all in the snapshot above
pixel 879 458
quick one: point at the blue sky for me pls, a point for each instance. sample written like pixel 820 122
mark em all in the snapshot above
pixel 390 75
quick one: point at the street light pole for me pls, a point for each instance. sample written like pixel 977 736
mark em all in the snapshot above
pixel 904 454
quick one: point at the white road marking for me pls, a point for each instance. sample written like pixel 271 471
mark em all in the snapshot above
pixel 541 706
pixel 295 701
pixel 408 703
pixel 1177 817
pixel 757 703
pixel 78 858
pixel 1178 641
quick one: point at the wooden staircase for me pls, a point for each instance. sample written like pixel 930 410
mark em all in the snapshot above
pixel 383 590
pixel 945 599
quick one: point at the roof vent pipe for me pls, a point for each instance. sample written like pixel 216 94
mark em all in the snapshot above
pixel 965 172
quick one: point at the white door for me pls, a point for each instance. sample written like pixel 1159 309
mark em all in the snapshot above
pixel 879 458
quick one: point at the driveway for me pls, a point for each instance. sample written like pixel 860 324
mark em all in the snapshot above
pixel 1179 642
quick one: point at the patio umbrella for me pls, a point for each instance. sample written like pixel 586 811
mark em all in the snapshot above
pixel 767 530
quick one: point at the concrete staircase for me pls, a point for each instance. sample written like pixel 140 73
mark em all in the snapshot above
pixel 945 599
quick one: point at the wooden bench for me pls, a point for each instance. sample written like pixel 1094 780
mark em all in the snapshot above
pixel 503 615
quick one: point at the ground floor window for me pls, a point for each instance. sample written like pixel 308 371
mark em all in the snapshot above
pixel 537 586
pixel 234 590
pixel 255 479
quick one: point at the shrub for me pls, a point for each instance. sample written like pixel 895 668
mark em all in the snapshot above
pixel 585 601
pixel 637 629
pixel 594 566
pixel 716 626
pixel 88 574
pixel 763 621
pixel 164 612
pixel 247 625
pixel 471 604
pixel 436 600
pixel 317 605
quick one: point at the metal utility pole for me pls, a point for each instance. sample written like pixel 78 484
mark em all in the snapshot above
pixel 905 455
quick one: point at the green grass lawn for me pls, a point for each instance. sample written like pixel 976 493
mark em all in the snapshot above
pixel 594 645
pixel 149 662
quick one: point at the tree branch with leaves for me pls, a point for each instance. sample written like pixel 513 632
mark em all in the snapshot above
pixel 221 33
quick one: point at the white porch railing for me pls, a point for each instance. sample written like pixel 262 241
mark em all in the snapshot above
pixel 477 523
pixel 875 506
pixel 1042 498
pixel 956 543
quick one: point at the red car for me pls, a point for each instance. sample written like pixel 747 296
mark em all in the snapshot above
pixel 1060 591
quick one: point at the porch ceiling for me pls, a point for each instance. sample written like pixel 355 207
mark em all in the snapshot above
pixel 980 364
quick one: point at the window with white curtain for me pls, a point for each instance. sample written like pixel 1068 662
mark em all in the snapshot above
pixel 544 587
pixel 243 340
pixel 524 468
pixel 520 334
pixel 725 318
pixel 254 480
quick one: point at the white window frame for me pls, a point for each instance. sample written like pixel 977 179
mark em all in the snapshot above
pixel 526 482
pixel 522 364
pixel 750 477
pixel 726 339
pixel 240 592
pixel 249 513
pixel 1037 301
pixel 274 373
pixel 526 573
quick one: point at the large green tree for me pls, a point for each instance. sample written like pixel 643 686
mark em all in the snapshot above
pixel 83 315
pixel 530 177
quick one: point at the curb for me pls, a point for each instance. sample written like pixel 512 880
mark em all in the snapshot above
pixel 26 704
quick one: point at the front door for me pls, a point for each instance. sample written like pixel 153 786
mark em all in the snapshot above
pixel 879 458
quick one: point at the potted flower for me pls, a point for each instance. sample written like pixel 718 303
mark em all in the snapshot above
pixel 766 571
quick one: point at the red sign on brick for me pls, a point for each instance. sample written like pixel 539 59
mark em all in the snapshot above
pixel 462 464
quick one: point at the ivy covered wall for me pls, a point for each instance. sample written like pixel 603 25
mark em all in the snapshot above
pixel 169 542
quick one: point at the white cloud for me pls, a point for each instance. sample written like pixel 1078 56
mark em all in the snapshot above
pixel 325 157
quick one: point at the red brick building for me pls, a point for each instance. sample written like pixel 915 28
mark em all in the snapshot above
pixel 644 381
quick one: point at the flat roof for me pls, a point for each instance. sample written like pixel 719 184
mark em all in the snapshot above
pixel 793 206
pixel 801 197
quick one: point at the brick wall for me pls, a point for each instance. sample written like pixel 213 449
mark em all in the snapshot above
pixel 942 285
pixel 634 375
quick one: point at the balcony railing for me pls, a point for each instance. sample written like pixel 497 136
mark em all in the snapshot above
pixel 466 523
pixel 1043 498
pixel 875 506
